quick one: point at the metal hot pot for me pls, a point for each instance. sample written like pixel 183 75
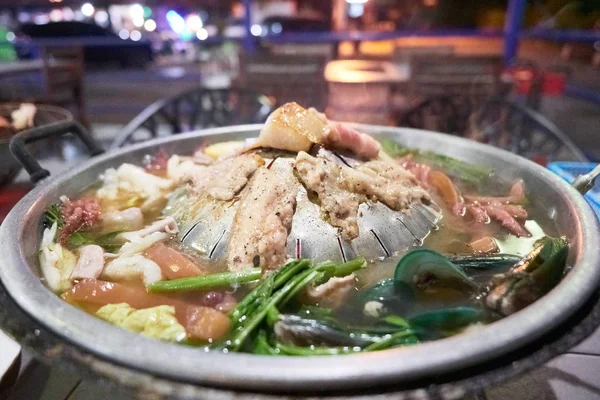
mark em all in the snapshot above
pixel 448 368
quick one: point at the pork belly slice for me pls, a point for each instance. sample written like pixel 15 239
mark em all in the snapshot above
pixel 263 219
pixel 225 179
pixel 294 128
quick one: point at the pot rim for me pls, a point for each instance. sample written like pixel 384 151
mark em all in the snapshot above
pixel 252 372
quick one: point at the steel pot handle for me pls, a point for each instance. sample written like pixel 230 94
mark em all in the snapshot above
pixel 583 183
pixel 18 145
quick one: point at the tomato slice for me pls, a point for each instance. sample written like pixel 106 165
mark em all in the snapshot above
pixel 173 263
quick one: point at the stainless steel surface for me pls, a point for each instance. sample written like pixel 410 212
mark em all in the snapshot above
pixel 382 231
pixel 584 183
pixel 19 240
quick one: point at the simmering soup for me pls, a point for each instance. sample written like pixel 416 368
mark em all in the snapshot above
pixel 313 239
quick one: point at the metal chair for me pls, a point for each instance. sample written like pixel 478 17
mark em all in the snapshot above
pixel 194 109
pixel 439 113
pixel 521 130
pixel 500 122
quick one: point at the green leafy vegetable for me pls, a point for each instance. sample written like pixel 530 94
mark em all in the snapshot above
pixel 276 290
pixel 52 215
pixel 108 241
pixel 469 173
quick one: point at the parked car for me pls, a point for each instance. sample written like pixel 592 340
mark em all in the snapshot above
pixel 100 45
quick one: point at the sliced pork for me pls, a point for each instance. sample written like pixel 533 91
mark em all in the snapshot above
pixel 386 182
pixel 223 180
pixel 263 220
pixel 338 205
pixel 341 189
pixel 343 137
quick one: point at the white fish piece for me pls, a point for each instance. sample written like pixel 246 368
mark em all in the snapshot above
pixel 129 219
pixel 133 267
pixel 90 262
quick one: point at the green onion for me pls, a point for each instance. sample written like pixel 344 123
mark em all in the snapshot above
pixel 467 172
pixel 390 340
pixel 204 282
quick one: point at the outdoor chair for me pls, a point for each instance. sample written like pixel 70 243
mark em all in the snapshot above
pixel 499 122
pixel 195 109
pixel 513 126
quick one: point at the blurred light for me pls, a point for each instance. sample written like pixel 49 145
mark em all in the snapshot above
pixel 135 35
pixel 56 15
pixel 203 15
pixel 24 17
pixel 212 30
pixel 276 28
pixel 136 11
pixel 79 15
pixel 193 22
pixel 101 18
pixel 176 21
pixel 202 34
pixel 68 14
pixel 186 35
pixel 124 34
pixel 147 12
pixel 41 19
pixel 356 1
pixel 55 1
pixel 356 10
pixel 87 9
pixel 256 30
pixel 150 25
pixel 138 21
pixel 10 36
pixel 429 3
